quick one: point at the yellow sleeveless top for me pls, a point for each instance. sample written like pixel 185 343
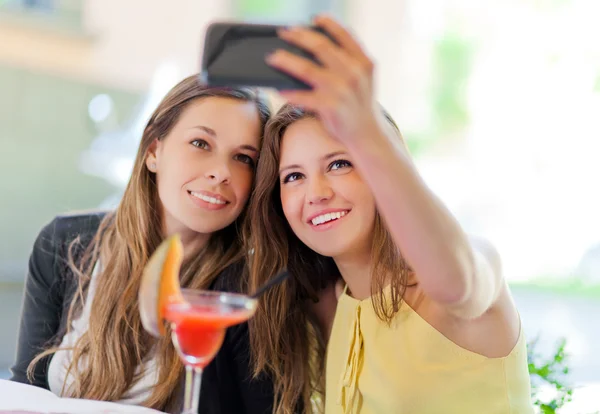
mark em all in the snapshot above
pixel 411 368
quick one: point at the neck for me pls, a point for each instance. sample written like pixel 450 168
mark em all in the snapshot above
pixel 192 241
pixel 356 272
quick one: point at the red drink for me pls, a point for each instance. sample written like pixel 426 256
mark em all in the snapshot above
pixel 199 329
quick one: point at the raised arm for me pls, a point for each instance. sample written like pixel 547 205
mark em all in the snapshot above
pixel 462 277
pixel 461 274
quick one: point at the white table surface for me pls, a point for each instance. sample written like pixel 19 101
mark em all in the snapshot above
pixel 15 397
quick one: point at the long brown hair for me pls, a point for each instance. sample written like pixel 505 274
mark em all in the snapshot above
pixel 283 334
pixel 115 343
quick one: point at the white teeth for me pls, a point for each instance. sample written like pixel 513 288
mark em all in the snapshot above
pixel 324 218
pixel 208 199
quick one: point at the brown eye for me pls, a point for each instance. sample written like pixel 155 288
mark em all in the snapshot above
pixel 246 159
pixel 200 143
pixel 339 164
pixel 292 177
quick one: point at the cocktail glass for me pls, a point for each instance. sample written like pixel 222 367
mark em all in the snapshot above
pixel 198 328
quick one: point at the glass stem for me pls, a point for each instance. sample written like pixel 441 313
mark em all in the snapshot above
pixel 193 379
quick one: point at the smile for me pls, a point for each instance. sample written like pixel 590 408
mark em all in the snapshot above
pixel 208 200
pixel 329 217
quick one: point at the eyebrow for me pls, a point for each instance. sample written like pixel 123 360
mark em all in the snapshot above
pixel 206 129
pixel 323 158
pixel 249 148
pixel 332 155
pixel 213 133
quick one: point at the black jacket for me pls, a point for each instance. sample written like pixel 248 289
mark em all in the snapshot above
pixel 227 386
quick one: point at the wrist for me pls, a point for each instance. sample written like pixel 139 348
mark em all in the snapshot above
pixel 376 143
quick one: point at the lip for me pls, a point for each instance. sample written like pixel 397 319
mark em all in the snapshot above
pixel 205 204
pixel 329 224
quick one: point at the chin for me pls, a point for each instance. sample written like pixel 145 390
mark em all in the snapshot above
pixel 325 250
pixel 339 247
pixel 208 228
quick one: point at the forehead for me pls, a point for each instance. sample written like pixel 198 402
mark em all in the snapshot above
pixel 228 117
pixel 306 140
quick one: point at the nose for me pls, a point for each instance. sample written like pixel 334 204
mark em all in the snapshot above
pixel 319 190
pixel 218 172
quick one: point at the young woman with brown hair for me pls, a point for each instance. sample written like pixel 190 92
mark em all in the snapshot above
pixel 425 323
pixel 81 334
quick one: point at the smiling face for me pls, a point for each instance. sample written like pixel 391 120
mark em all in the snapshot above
pixel 325 201
pixel 205 165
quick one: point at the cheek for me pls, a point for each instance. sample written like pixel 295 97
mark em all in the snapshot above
pixel 167 198
pixel 366 200
pixel 354 188
pixel 177 167
pixel 171 178
pixel 167 187
pixel 291 202
pixel 242 183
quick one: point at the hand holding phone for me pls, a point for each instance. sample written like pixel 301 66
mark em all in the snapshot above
pixel 342 95
pixel 234 55
pixel 332 77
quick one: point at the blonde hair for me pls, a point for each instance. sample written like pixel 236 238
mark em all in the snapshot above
pixel 115 344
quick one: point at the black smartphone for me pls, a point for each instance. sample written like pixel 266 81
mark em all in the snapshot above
pixel 234 55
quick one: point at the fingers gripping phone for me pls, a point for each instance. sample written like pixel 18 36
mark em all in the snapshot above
pixel 234 55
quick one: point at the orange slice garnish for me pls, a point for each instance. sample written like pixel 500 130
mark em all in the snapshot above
pixel 160 285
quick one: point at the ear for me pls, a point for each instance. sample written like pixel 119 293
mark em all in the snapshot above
pixel 152 156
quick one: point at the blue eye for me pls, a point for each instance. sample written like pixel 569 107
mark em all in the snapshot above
pixel 200 143
pixel 292 177
pixel 339 164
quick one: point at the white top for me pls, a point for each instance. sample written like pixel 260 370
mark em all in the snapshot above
pixel 61 360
